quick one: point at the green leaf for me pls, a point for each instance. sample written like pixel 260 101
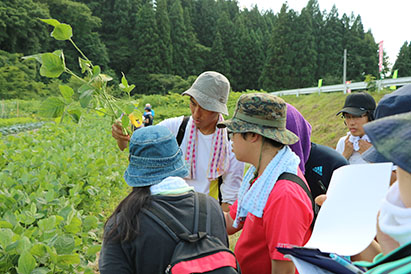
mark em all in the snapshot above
pixel 84 88
pixel 5 224
pixel 84 64
pixel 64 244
pixel 52 253
pixel 6 236
pixel 67 92
pixel 62 32
pixel 68 259
pixel 125 121
pixel 124 80
pixel 41 270
pixel 38 250
pixel 96 71
pixel 47 223
pixel 105 77
pixel 52 65
pixel 23 244
pixel 129 108
pixel 92 250
pixel 52 107
pixel 90 222
pixel 75 114
pixel 36 57
pixel 26 263
pixel 86 97
pixel 74 226
pixel 52 22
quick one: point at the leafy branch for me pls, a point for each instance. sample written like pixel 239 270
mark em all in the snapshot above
pixel 93 91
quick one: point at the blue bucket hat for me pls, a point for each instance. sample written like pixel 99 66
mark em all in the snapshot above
pixel 154 156
pixel 393 103
pixel 391 137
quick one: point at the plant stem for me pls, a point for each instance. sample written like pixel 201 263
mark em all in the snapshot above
pixel 79 50
pixel 75 75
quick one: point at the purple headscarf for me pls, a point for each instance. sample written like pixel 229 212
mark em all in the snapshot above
pixel 300 127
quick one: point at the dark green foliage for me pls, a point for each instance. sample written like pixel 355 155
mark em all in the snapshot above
pixel 85 26
pixel 179 39
pixel 18 78
pixel 167 39
pixel 163 29
pixel 146 58
pixel 20 29
pixel 278 72
pixel 403 63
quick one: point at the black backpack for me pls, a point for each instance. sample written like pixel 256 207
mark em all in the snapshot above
pixel 294 178
pixel 197 251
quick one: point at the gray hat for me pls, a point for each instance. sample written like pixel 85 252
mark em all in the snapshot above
pixel 210 90
pixel 261 113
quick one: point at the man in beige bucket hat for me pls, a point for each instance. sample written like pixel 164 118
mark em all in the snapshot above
pixel 272 210
pixel 214 170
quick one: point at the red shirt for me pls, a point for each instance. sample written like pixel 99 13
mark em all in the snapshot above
pixel 286 221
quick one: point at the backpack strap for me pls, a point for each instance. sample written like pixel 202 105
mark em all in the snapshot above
pixel 173 226
pixel 204 223
pixel 180 136
pixel 296 179
pixel 182 130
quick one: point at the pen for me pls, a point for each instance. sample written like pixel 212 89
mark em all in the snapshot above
pixel 345 263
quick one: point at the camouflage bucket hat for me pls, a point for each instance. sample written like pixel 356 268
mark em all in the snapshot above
pixel 261 113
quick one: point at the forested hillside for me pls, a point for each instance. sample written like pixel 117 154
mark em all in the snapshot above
pixel 161 45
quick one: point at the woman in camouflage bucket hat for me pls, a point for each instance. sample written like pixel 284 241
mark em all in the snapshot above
pixel 271 212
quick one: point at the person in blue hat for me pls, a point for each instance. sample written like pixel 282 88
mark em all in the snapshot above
pixel 133 242
pixel 394 220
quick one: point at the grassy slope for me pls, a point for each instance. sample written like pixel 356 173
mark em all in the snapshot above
pixel 318 109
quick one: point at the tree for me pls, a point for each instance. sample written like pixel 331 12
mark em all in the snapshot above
pixel 218 60
pixel 179 39
pixel 85 27
pixel 304 47
pixel 278 72
pixel 145 49
pixel 204 20
pixel 403 62
pixel 163 27
pixel 20 29
pixel 118 21
pixel 330 56
pixel 250 58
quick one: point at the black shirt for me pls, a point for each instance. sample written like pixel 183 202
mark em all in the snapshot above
pixel 320 165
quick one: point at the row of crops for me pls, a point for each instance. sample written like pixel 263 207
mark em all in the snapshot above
pixel 58 185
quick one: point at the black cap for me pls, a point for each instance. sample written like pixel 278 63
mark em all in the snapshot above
pixel 358 103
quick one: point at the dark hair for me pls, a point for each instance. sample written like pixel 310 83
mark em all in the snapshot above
pixel 267 140
pixel 370 115
pixel 124 222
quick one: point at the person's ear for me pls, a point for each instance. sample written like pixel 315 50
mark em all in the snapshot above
pixel 254 137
